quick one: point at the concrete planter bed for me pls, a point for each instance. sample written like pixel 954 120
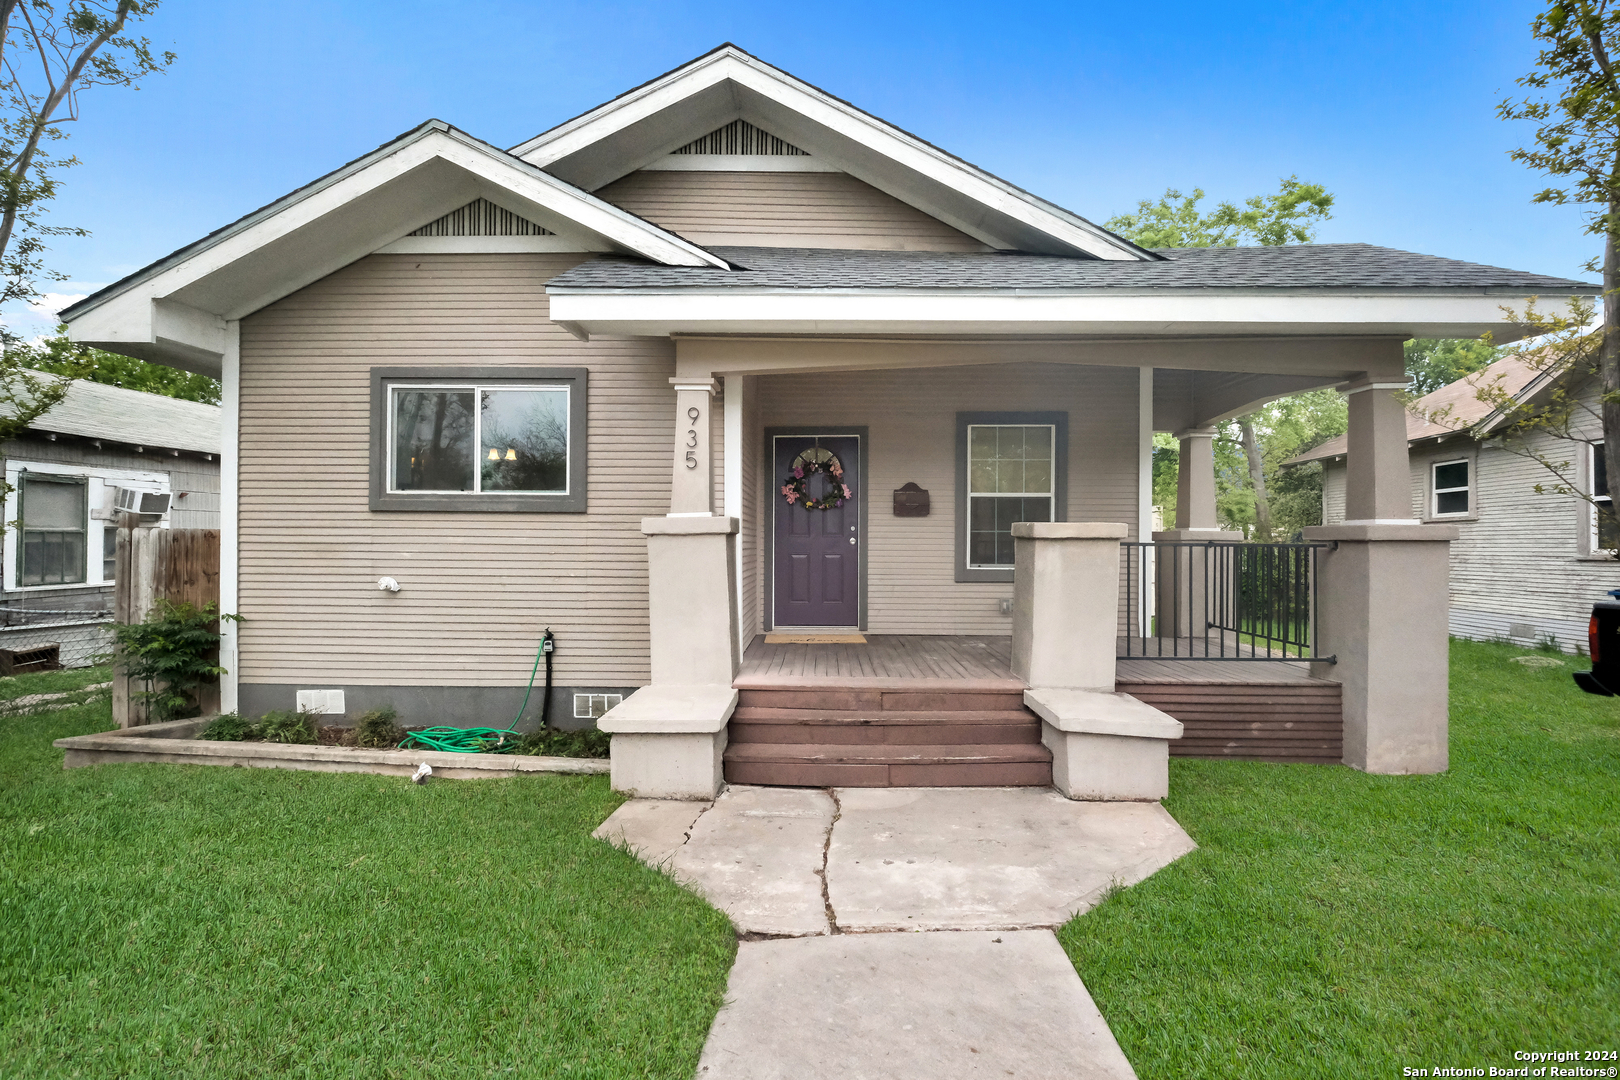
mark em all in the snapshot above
pixel 173 742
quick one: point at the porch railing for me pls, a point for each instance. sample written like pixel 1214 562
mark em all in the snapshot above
pixel 1219 601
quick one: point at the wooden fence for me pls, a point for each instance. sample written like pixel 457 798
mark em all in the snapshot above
pixel 179 565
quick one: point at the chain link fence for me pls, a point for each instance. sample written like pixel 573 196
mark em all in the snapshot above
pixel 45 639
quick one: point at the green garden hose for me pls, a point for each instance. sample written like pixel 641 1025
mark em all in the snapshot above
pixel 485 740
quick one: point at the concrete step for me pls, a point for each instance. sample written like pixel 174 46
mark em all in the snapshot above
pixel 889 765
pixel 757 725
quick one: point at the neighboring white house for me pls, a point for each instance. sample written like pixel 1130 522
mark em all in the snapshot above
pixel 1527 565
pixel 56 565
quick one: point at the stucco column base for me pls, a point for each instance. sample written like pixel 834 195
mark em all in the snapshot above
pixel 1066 603
pixel 668 741
pixel 691 571
pixel 1181 582
pixel 1105 747
pixel 1383 595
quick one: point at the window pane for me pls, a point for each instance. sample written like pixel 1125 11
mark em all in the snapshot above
pixel 1009 459
pixel 1600 471
pixel 50 504
pixel 525 440
pixel 1454 475
pixel 433 440
pixel 1451 502
pixel 990 541
pixel 1608 533
pixel 109 554
pixel 52 558
pixel 1010 475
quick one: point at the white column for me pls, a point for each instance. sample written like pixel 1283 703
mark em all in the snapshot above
pixel 692 483
pixel 737 388
pixel 1144 489
pixel 230 458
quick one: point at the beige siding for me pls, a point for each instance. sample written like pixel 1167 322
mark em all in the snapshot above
pixel 822 210
pixel 912 418
pixel 476 588
pixel 1332 492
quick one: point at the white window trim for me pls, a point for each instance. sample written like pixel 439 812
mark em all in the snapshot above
pixel 1435 491
pixel 1049 494
pixel 1589 510
pixel 477 489
pixel 98 497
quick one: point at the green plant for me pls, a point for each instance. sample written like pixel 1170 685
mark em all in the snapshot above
pixel 228 727
pixel 287 726
pixel 549 742
pixel 175 653
pixel 377 729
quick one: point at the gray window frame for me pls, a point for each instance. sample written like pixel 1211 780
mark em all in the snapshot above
pixel 1059 422
pixel 24 479
pixel 575 501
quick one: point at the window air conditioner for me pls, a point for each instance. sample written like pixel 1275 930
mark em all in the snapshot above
pixel 144 503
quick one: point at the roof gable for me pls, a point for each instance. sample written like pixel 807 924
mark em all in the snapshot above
pixel 726 85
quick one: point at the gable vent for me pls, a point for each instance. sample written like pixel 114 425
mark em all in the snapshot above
pixel 481 218
pixel 741 137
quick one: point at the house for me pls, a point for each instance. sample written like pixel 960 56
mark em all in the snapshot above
pixel 1526 566
pixel 64 475
pixel 727 357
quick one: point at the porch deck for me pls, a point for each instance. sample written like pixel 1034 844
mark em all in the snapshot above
pixel 1248 710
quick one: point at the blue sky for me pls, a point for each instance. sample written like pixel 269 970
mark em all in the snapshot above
pixel 1094 106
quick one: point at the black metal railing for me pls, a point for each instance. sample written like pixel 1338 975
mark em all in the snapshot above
pixel 1219 600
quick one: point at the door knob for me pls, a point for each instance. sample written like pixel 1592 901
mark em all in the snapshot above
pixel 852 540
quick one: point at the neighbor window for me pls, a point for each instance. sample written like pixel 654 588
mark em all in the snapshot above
pixel 492 439
pixel 1451 489
pixel 54 519
pixel 1011 472
pixel 1605 536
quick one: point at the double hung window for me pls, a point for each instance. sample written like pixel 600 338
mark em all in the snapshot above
pixel 1605 535
pixel 1011 467
pixel 478 439
pixel 55 515
pixel 1452 490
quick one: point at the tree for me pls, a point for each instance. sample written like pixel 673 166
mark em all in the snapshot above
pixel 1289 216
pixel 1576 107
pixel 47 57
pixel 1435 362
pixel 59 356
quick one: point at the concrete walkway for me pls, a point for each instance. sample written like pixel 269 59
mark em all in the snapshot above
pixel 830 877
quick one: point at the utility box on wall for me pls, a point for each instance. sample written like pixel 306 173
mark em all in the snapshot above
pixel 910 501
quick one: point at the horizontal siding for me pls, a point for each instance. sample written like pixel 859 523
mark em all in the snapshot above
pixel 771 209
pixel 476 588
pixel 912 417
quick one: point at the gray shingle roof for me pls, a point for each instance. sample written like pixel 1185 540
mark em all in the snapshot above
pixel 98 411
pixel 1305 266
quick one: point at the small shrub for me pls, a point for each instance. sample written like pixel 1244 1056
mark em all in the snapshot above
pixel 175 653
pixel 228 727
pixel 549 742
pixel 287 726
pixel 377 729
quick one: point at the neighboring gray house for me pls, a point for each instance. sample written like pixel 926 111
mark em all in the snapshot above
pixel 64 474
pixel 1526 566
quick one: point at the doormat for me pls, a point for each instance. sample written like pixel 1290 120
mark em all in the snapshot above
pixel 815 639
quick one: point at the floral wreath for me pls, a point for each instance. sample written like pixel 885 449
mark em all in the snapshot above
pixel 797 486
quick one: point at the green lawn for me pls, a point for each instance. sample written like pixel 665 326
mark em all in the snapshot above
pixel 52 682
pixel 178 921
pixel 1343 925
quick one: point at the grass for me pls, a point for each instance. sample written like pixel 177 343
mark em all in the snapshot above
pixel 179 921
pixel 1338 924
pixel 52 682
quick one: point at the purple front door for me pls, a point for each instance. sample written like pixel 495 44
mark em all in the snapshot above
pixel 816 576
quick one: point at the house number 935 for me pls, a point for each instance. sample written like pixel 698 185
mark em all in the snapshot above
pixel 692 415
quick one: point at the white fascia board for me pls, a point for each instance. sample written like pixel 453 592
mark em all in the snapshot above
pixel 126 316
pixel 1111 312
pixel 843 119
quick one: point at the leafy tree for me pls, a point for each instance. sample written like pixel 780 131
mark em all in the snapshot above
pixel 48 56
pixel 1175 221
pixel 1575 104
pixel 1435 362
pixel 59 356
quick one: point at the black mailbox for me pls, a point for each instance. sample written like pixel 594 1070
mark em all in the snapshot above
pixel 1603 639
pixel 910 501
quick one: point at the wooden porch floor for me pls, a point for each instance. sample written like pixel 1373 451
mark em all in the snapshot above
pixel 980 659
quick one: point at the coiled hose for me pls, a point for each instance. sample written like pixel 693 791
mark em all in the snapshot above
pixel 487 740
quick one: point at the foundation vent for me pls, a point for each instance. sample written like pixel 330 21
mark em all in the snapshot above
pixel 481 218
pixel 594 706
pixel 326 702
pixel 741 137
